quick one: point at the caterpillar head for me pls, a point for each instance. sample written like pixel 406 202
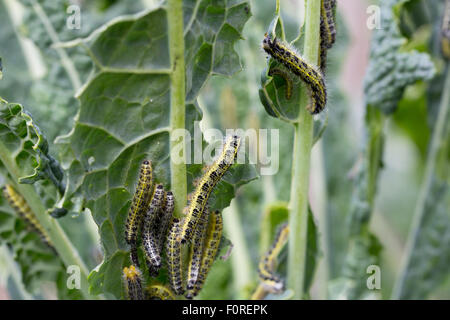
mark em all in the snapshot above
pixel 267 42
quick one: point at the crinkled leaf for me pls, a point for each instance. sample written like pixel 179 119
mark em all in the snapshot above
pixel 390 71
pixel 124 115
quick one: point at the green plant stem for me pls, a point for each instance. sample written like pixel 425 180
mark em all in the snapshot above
pixel 177 99
pixel 303 138
pixel 14 272
pixel 419 211
pixel 240 258
pixel 64 247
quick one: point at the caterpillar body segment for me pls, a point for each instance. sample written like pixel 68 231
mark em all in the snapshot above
pixel 174 263
pixel 23 210
pixel 139 203
pixel 267 265
pixel 133 283
pixel 212 242
pixel 159 292
pixel 205 186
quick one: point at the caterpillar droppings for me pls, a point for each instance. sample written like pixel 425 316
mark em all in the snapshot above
pixel 139 203
pixel 133 283
pixel 20 206
pixel 150 229
pixel 159 292
pixel 313 78
pixel 267 265
pixel 173 253
pixel 205 186
pixel 212 241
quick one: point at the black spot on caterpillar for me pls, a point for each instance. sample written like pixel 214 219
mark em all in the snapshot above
pixel 212 242
pixel 139 203
pixel 206 185
pixel 285 75
pixel 328 21
pixel 267 265
pixel 196 250
pixel 133 283
pixel 159 292
pixel 167 212
pixel 150 231
pixel 20 206
pixel 173 253
pixel 313 78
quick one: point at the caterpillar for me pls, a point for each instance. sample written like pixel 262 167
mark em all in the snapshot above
pixel 196 251
pixel 150 229
pixel 139 203
pixel 168 207
pixel 213 237
pixel 445 31
pixel 173 253
pixel 328 20
pixel 267 264
pixel 159 292
pixel 133 283
pixel 18 203
pixel 313 78
pixel 206 185
pixel 283 74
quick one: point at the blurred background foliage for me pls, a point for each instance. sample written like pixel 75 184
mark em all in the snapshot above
pixel 46 88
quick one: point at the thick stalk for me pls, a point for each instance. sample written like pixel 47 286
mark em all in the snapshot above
pixel 419 212
pixel 177 100
pixel 298 216
pixel 64 248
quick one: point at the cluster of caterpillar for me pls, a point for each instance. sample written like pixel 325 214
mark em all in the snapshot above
pixel 20 206
pixel 268 263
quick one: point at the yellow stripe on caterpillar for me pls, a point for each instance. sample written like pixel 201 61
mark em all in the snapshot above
pixel 205 186
pixel 328 20
pixel 133 283
pixel 313 78
pixel 20 206
pixel 173 253
pixel 268 263
pixel 159 292
pixel 139 203
pixel 212 242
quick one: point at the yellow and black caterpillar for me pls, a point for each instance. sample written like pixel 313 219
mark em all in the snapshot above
pixel 159 292
pixel 206 185
pixel 267 265
pixel 173 253
pixel 133 283
pixel 312 77
pixel 211 246
pixel 18 203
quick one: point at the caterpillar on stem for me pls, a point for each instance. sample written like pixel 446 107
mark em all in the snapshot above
pixel 20 206
pixel 206 185
pixel 173 253
pixel 267 265
pixel 313 78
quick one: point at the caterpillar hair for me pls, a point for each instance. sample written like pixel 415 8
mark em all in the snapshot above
pixel 150 229
pixel 207 184
pixel 20 206
pixel 213 237
pixel 173 253
pixel 313 78
pixel 267 265
pixel 159 292
pixel 139 203
pixel 133 283
pixel 167 213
